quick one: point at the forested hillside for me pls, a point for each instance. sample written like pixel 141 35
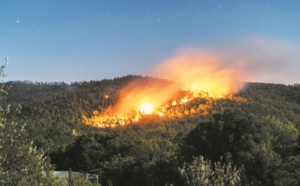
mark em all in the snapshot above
pixel 250 138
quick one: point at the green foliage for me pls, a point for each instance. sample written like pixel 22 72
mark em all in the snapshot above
pixel 204 172
pixel 240 138
pixel 283 136
pixel 80 180
pixel 288 172
pixel 127 156
pixel 21 163
pixel 257 129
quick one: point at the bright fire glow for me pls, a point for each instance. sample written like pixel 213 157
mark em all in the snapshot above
pixel 199 73
pixel 184 100
pixel 146 108
pixel 106 96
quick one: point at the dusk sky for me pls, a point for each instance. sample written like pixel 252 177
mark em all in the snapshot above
pixel 72 40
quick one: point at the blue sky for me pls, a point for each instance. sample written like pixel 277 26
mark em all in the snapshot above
pixel 72 40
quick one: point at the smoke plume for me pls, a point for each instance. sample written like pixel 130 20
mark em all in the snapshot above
pixel 217 71
pixel 227 67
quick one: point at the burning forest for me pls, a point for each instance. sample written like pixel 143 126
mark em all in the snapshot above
pixel 182 79
pixel 192 74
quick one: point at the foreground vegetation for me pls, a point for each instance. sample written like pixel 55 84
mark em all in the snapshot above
pixel 251 138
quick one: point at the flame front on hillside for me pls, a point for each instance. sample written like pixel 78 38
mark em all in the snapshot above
pixel 204 74
pixel 199 73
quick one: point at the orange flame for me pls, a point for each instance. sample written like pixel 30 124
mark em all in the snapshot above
pixel 144 97
pixel 106 96
pixel 198 72
pixel 205 74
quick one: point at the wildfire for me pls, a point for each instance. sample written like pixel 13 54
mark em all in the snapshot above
pixel 199 74
pixel 200 71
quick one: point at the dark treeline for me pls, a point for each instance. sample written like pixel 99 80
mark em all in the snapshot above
pixel 256 132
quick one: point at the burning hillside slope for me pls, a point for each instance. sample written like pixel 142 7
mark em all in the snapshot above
pixel 197 74
pixel 215 73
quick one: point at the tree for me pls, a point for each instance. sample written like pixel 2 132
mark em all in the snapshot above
pixel 239 137
pixel 205 173
pixel 79 179
pixel 288 172
pixel 20 162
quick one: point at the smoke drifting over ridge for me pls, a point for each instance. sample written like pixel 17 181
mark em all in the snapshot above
pixel 200 71
pixel 217 72
pixel 251 59
pixel 263 59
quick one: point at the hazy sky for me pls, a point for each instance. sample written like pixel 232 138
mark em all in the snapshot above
pixel 72 40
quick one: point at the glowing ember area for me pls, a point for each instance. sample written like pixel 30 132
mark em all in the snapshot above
pixel 198 74
pixel 106 96
pixel 104 120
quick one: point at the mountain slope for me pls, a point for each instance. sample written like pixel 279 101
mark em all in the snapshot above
pixel 257 129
